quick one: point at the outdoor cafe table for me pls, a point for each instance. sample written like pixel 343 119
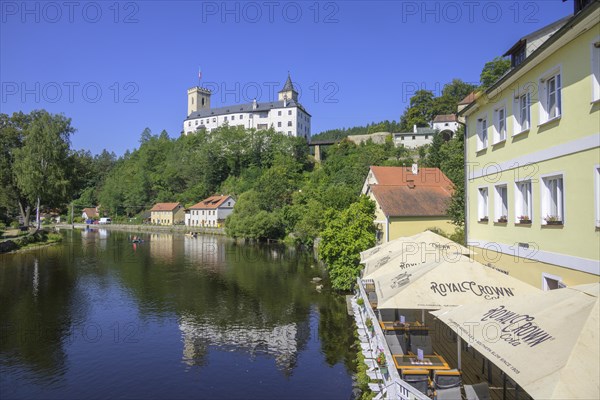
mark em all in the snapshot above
pixel 429 362
pixel 395 326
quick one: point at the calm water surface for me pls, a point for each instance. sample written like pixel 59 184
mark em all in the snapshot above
pixel 173 317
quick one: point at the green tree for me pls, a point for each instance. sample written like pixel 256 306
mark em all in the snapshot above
pixel 12 133
pixel 492 71
pixel 433 158
pixel 40 164
pixel 452 164
pixel 452 94
pixel 346 234
pixel 248 220
pixel 419 112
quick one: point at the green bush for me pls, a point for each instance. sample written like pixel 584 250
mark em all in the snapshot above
pixel 14 224
pixel 54 237
pixel 346 234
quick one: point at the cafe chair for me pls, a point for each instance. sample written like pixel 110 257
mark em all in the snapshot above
pixel 396 343
pixel 448 394
pixel 478 391
pixel 446 384
pixel 417 378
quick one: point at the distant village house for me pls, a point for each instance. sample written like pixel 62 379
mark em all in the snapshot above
pixel 210 212
pixel 167 214
pixel 90 213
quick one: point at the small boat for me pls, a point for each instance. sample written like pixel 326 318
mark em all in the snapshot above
pixel 192 234
pixel 137 241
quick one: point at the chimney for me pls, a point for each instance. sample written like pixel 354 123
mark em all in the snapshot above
pixel 254 104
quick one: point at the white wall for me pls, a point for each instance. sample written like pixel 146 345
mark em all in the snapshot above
pixel 409 142
pixel 442 126
pixel 199 217
pixel 300 121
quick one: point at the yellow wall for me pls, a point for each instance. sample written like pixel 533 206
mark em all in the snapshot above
pixel 408 226
pixel 577 237
pixel 166 217
pixel 578 240
pixel 531 271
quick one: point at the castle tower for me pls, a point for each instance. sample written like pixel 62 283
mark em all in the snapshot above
pixel 198 99
pixel 288 92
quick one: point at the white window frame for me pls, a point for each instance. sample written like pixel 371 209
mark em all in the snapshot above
pixel 597 193
pixel 499 204
pixel 595 71
pixel 523 201
pixel 554 73
pixel 522 102
pixel 546 206
pixel 483 203
pixel 500 124
pixel 482 141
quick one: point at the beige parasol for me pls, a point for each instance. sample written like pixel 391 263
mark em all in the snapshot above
pixel 547 341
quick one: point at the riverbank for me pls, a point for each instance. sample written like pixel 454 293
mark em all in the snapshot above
pixel 148 228
pixel 28 242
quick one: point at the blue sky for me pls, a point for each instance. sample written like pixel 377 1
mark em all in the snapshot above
pixel 116 68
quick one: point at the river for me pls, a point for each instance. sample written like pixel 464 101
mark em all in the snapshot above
pixel 173 317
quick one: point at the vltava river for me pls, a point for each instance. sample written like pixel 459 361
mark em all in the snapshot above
pixel 173 317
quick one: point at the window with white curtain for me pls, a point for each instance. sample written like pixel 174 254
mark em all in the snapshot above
pixel 501 203
pixel 523 203
pixel 483 203
pixel 552 199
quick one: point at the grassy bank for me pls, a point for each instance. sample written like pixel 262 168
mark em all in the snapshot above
pixel 29 241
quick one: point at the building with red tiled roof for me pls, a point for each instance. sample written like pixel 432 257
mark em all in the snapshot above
pixel 167 214
pixel 408 200
pixel 211 211
pixel 468 100
pixel 89 213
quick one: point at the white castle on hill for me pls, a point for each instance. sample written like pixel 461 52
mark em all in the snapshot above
pixel 285 115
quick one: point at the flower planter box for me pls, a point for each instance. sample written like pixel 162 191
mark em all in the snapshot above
pixel 502 221
pixel 525 221
pixel 554 222
pixel 484 220
pixel 383 370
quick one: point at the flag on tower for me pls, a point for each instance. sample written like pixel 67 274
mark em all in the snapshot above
pixel 199 73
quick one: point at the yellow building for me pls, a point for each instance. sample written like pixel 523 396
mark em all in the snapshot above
pixel 533 158
pixel 167 214
pixel 408 200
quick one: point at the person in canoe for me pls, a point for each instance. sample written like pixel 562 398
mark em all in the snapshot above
pixel 136 239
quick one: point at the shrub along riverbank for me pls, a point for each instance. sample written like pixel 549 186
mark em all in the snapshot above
pixel 28 241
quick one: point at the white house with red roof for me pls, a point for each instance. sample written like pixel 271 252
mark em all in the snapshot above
pixel 90 213
pixel 409 200
pixel 210 212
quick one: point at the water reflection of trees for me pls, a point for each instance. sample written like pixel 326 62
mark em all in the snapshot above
pixel 37 296
pixel 219 286
pixel 256 293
